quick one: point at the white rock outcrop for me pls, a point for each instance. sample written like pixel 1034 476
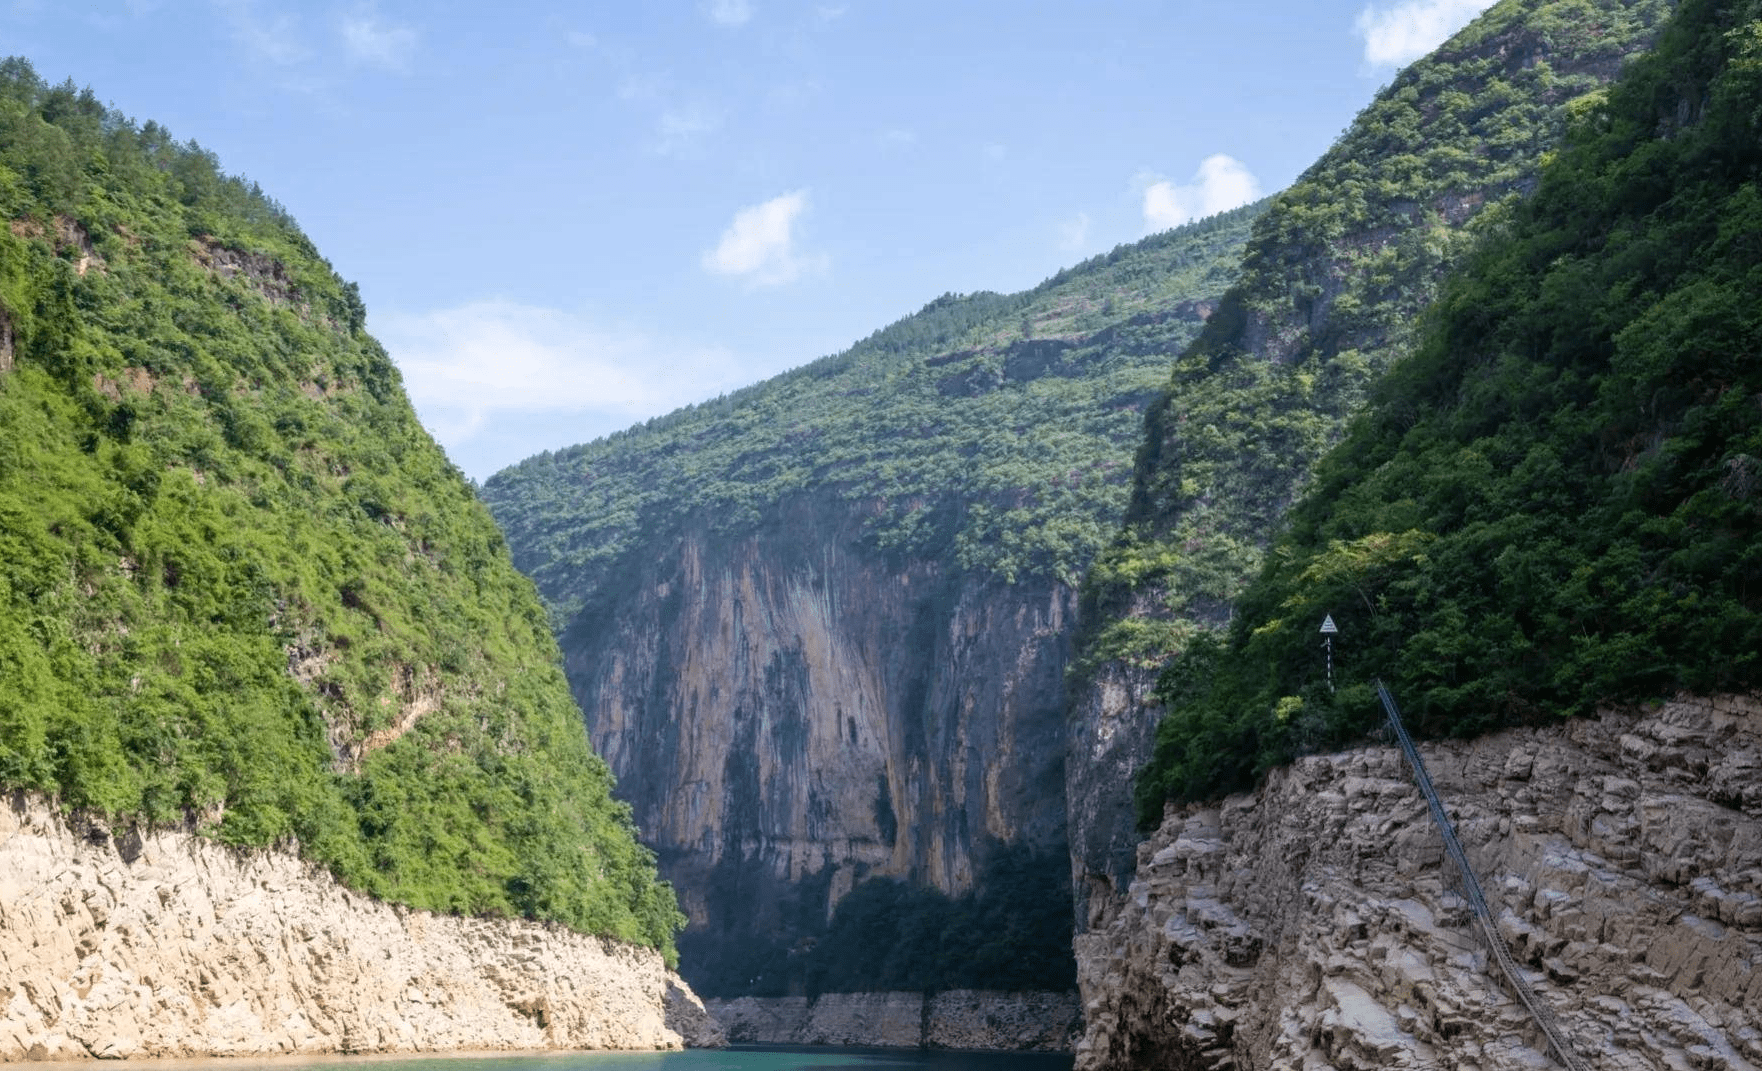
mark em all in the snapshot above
pixel 167 944
pixel 1316 923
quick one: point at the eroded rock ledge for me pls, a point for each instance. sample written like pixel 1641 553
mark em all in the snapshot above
pixel 171 945
pixel 1313 923
pixel 957 1019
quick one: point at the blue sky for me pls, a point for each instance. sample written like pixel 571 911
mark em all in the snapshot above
pixel 567 218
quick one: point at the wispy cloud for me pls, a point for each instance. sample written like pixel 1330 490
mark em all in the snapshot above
pixel 369 39
pixel 1394 36
pixel 1221 183
pixel 728 12
pixel 760 246
pixel 1073 233
pixel 680 130
pixel 481 363
pixel 897 137
pixel 273 39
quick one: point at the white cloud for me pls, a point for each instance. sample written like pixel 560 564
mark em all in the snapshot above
pixel 729 12
pixel 1074 233
pixel 482 364
pixel 1398 35
pixel 274 40
pixel 1221 183
pixel 897 137
pixel 377 43
pixel 581 39
pixel 760 244
pixel 680 129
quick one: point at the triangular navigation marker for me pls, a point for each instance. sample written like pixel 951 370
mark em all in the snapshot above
pixel 1328 626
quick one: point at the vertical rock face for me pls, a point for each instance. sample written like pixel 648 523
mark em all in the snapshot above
pixel 1316 922
pixel 1113 727
pixel 790 713
pixel 170 945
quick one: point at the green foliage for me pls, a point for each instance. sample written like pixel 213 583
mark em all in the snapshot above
pixel 958 433
pixel 239 585
pixel 1337 273
pixel 1557 500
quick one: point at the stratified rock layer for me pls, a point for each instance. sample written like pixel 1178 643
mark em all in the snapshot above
pixel 956 1019
pixel 166 944
pixel 1316 922
pixel 789 713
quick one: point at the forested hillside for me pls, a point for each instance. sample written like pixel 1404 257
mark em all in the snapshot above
pixel 996 425
pixel 1338 271
pixel 240 587
pixel 1555 501
pixel 1332 284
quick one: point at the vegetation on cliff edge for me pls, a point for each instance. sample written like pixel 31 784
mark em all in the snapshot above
pixel 1337 272
pixel 1558 499
pixel 994 428
pixel 239 585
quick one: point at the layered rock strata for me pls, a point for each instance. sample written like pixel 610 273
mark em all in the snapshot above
pixel 957 1019
pixel 789 713
pixel 166 944
pixel 1316 923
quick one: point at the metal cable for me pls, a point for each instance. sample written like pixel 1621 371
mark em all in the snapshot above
pixel 1544 1018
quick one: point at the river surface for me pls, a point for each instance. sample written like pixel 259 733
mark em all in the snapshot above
pixel 734 1058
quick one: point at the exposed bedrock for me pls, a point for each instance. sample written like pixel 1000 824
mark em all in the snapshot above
pixel 793 711
pixel 1316 923
pixel 165 944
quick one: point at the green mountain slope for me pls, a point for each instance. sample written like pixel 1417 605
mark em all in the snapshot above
pixel 1333 281
pixel 1338 271
pixel 1556 500
pixel 995 424
pixel 239 585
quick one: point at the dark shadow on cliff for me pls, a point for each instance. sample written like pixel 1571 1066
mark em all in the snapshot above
pixel 1012 932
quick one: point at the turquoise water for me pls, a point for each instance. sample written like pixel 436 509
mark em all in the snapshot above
pixel 736 1058
pixel 752 1058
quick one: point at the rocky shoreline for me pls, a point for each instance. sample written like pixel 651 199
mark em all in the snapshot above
pixel 165 944
pixel 1314 922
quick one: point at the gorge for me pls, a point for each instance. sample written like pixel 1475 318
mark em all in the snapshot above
pixel 937 679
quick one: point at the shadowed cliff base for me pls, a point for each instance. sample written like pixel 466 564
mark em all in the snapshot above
pixel 1011 931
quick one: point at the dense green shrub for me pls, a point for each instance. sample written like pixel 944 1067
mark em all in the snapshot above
pixel 1558 499
pixel 239 585
pixel 1335 276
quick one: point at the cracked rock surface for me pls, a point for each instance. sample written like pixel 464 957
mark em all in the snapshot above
pixel 1316 923
pixel 166 944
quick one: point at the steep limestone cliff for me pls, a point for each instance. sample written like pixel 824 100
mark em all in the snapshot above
pixel 790 713
pixel 1335 279
pixel 162 944
pixel 819 628
pixel 1315 922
